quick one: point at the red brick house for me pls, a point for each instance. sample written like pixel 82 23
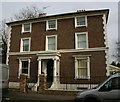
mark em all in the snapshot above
pixel 67 48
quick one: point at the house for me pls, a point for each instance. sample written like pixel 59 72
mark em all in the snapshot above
pixel 67 49
pixel 0 50
pixel 113 69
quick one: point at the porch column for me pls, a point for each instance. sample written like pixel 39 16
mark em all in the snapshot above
pixel 39 71
pixel 58 70
pixel 55 77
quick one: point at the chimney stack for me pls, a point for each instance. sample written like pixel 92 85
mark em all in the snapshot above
pixel 42 14
pixel 80 10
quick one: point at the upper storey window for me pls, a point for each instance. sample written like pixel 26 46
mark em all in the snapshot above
pixel 51 42
pixel 81 40
pixel 25 44
pixel 26 27
pixel 80 21
pixel 52 24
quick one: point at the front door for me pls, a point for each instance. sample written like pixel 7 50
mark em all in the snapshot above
pixel 50 72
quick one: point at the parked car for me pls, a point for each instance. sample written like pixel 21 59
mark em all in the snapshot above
pixel 108 91
pixel 4 79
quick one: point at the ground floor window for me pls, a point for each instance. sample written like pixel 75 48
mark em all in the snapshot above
pixel 24 66
pixel 82 67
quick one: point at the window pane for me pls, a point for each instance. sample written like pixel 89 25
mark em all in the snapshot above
pixel 25 67
pixel 82 67
pixel 26 45
pixel 82 63
pixel 82 73
pixel 81 37
pixel 24 71
pixel 80 20
pixel 81 44
pixel 51 43
pixel 51 40
pixel 52 24
pixel 24 64
pixel 81 41
pixel 26 27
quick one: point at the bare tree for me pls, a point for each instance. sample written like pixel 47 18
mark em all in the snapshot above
pixel 117 55
pixel 4 37
pixel 118 51
pixel 25 13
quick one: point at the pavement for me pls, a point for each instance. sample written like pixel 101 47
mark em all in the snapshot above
pixel 36 97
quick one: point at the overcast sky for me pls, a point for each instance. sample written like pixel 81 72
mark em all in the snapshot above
pixel 10 8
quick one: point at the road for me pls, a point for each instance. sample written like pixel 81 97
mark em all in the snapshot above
pixel 35 97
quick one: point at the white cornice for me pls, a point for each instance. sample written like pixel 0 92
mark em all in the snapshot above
pixel 57 18
pixel 60 51
pixel 8 45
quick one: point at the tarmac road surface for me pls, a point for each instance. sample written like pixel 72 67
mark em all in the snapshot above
pixel 35 97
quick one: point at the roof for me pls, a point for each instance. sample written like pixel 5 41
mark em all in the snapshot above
pixel 64 14
pixel 114 67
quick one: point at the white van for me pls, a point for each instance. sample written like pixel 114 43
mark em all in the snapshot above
pixel 4 79
pixel 108 91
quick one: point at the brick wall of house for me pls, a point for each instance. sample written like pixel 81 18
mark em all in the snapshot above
pixel 14 68
pixel 65 40
pixel 65 34
pixel 67 67
pixel 97 67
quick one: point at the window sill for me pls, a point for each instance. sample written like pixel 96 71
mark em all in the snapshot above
pixel 51 50
pixel 82 78
pixel 77 26
pixel 81 48
pixel 51 29
pixel 25 32
pixel 24 51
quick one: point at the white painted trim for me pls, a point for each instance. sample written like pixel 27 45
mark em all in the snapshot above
pixel 88 67
pixel 39 72
pixel 22 58
pixel 47 26
pixel 114 67
pixel 76 45
pixel 106 44
pixel 60 87
pixel 105 30
pixel 77 56
pixel 8 45
pixel 15 85
pixel 80 25
pixel 59 18
pixel 22 31
pixel 46 48
pixel 20 67
pixel 54 57
pixel 21 44
pixel 60 51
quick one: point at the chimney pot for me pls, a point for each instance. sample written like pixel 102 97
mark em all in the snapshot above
pixel 80 10
pixel 42 14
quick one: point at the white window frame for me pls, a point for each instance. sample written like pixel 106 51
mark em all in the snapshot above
pixel 20 67
pixel 55 42
pixel 26 31
pixel 47 26
pixel 21 46
pixel 76 44
pixel 88 67
pixel 80 25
